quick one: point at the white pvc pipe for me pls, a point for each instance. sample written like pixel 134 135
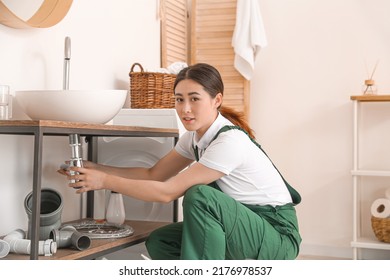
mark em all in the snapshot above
pixel 4 248
pixel 19 245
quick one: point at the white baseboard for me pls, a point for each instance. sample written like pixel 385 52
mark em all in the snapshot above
pixel 333 252
pixel 326 251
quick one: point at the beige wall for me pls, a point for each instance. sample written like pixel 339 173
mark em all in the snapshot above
pixel 107 38
pixel 302 113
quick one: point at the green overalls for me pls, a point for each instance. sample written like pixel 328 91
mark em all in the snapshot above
pixel 216 227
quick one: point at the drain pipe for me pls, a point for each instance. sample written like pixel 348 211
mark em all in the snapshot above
pixel 77 154
pixel 4 248
pixel 19 245
pixel 68 236
pixel 50 215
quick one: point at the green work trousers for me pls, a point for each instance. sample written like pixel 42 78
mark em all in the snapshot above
pixel 217 227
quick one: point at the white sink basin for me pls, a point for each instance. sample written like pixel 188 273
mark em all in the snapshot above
pixel 89 106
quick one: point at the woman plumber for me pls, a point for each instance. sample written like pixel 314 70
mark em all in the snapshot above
pixel 236 204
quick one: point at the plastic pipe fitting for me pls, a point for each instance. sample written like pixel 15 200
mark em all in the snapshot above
pixel 19 245
pixel 4 248
pixel 68 236
pixel 50 214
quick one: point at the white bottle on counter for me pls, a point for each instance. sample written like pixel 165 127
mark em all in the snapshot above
pixel 115 209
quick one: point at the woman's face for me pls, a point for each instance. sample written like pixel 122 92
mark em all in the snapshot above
pixel 196 109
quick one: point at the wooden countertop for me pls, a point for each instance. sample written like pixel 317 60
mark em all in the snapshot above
pixel 100 247
pixel 64 128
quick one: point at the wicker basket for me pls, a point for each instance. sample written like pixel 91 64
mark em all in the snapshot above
pixel 381 227
pixel 150 90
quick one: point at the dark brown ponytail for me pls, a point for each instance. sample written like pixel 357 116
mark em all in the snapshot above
pixel 237 118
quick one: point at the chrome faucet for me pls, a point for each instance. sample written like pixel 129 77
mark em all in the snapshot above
pixel 66 63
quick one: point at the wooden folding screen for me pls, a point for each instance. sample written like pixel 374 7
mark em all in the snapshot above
pixel 174 34
pixel 211 24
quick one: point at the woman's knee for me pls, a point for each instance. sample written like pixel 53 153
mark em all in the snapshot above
pixel 197 194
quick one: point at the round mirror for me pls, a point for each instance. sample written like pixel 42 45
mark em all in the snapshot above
pixel 33 14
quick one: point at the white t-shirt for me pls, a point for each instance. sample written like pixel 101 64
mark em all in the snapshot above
pixel 250 176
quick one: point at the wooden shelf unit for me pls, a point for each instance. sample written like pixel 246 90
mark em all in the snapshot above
pixel 40 128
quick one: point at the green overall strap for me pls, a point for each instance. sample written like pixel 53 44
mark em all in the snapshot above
pixel 196 153
pixel 296 197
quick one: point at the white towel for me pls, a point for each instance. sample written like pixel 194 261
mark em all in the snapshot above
pixel 174 68
pixel 248 37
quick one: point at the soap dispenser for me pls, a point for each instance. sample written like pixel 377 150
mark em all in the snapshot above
pixel 115 209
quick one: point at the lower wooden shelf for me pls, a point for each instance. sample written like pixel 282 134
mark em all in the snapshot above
pixel 101 247
pixel 369 243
